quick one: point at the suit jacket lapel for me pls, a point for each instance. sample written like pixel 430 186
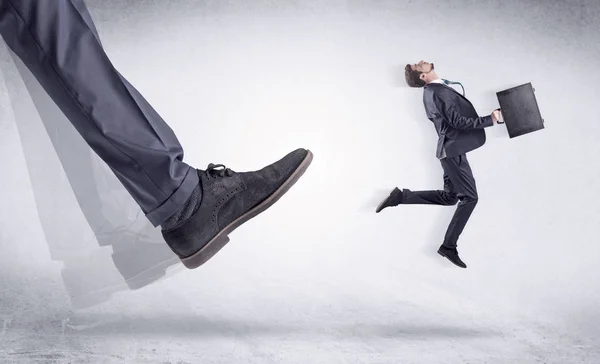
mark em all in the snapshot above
pixel 459 94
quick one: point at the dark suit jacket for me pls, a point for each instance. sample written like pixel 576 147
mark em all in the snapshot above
pixel 459 128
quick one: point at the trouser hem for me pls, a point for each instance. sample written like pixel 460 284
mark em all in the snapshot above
pixel 174 202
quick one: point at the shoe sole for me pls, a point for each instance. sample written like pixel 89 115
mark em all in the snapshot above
pixel 447 257
pixel 380 207
pixel 221 239
pixel 382 204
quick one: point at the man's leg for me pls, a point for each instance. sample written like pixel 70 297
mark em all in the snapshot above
pixel 197 210
pixel 464 183
pixel 458 170
pixel 57 45
pixel 139 250
pixel 445 197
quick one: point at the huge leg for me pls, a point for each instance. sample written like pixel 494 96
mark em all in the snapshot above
pixel 60 49
pixel 54 41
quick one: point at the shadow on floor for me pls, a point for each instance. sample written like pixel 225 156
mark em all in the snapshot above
pixel 194 325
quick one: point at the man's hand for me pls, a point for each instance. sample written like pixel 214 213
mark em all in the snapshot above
pixel 496 117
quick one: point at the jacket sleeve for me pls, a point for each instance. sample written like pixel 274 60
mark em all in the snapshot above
pixel 452 116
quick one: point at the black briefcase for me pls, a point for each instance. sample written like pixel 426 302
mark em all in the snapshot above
pixel 520 111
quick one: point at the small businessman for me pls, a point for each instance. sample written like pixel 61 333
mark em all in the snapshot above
pixel 460 130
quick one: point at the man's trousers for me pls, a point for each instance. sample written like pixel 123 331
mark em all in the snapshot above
pixel 57 42
pixel 459 186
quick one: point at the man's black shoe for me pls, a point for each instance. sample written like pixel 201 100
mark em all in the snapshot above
pixel 229 199
pixel 394 199
pixel 452 255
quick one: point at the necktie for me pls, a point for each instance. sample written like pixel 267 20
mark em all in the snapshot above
pixel 446 82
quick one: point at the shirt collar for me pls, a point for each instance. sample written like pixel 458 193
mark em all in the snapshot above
pixel 439 80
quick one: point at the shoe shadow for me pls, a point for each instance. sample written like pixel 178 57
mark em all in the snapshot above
pixel 415 331
pixel 198 326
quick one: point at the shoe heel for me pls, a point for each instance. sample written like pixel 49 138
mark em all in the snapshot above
pixel 207 252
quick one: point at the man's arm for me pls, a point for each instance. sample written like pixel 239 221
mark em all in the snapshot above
pixel 451 115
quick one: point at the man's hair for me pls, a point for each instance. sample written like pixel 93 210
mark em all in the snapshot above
pixel 412 77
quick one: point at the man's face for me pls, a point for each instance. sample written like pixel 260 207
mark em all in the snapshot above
pixel 423 67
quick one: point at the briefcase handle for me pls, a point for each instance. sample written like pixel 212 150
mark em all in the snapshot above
pixel 499 122
pixel 502 122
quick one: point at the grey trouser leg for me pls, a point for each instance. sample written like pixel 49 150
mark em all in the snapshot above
pixel 459 171
pixel 445 197
pixel 60 49
pixel 459 186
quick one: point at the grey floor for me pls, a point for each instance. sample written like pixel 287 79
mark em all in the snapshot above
pixel 321 278
pixel 255 318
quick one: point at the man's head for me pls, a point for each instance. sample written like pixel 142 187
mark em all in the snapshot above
pixel 419 74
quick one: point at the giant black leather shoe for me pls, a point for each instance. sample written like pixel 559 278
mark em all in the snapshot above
pixel 229 199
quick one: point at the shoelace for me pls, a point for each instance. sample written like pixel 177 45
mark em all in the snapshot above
pixel 213 171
